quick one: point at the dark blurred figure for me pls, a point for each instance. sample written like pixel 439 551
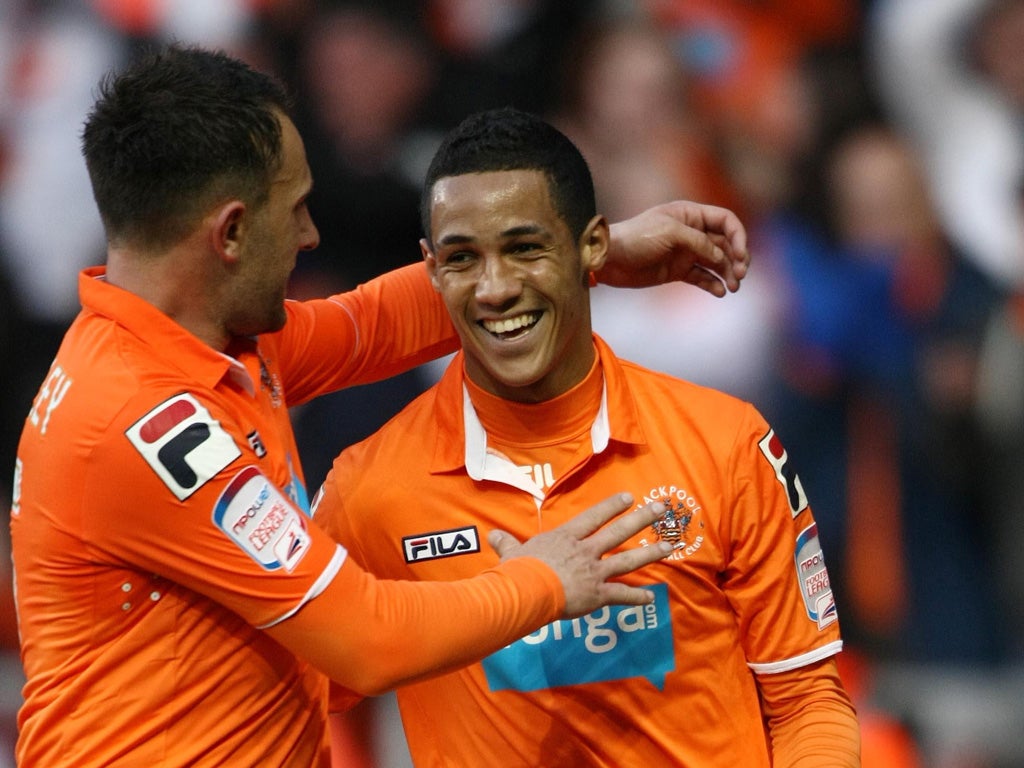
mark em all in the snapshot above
pixel 628 106
pixel 494 53
pixel 884 216
pixel 1001 411
pixel 365 68
pixel 952 77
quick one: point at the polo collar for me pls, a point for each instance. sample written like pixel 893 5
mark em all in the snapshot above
pixel 166 339
pixel 462 440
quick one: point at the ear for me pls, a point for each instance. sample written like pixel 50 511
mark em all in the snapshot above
pixel 593 244
pixel 228 230
pixel 431 262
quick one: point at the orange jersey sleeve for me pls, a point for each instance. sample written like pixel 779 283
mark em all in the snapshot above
pixel 811 721
pixel 385 326
pixel 372 635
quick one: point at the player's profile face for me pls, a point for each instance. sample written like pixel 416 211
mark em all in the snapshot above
pixel 514 281
pixel 273 235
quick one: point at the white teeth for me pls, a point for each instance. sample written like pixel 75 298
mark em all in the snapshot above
pixel 510 324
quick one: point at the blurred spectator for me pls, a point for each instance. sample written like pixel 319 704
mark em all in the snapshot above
pixel 49 228
pixel 952 76
pixel 10 419
pixel 365 70
pixel 627 106
pixel 625 101
pixel 883 215
pixel 1001 411
pixel 499 52
pixel 736 50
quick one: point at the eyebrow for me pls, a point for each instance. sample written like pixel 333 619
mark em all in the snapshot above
pixel 525 229
pixel 454 240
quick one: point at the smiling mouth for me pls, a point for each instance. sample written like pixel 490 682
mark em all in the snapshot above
pixel 511 327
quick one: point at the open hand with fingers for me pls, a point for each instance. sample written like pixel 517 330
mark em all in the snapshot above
pixel 679 241
pixel 576 551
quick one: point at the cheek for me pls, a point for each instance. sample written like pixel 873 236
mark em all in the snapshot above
pixel 455 293
pixel 456 310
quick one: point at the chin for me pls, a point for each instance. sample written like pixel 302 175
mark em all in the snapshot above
pixel 277 324
pixel 270 324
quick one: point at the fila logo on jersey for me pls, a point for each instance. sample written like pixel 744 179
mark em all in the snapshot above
pixel 183 444
pixel 256 443
pixel 430 546
pixel 772 449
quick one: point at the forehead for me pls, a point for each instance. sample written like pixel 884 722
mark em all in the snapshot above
pixel 490 199
pixel 294 174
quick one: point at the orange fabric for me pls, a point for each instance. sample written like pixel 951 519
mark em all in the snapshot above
pixel 160 515
pixel 415 630
pixel 811 722
pixel 730 607
pixel 752 43
pixel 875 577
pixel 133 17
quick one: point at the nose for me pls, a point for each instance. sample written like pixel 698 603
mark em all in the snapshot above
pixel 499 282
pixel 309 235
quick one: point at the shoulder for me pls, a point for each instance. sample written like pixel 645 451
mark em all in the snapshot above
pixel 648 386
pixel 106 389
pixel 671 411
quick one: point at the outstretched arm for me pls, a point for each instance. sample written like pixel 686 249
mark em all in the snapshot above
pixel 703 245
pixel 370 635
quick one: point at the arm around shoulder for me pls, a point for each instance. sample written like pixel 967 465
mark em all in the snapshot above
pixel 400 317
pixel 372 635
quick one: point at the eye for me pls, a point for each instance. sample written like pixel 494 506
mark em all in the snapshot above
pixel 525 248
pixel 457 259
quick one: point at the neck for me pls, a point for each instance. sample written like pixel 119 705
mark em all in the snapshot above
pixel 568 414
pixel 174 283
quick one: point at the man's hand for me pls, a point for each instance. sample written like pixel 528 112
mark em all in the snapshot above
pixel 576 549
pixel 679 241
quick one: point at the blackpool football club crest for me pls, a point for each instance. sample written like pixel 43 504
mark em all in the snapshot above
pixel 680 527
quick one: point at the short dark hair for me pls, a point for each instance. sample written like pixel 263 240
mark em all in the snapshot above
pixel 508 139
pixel 176 129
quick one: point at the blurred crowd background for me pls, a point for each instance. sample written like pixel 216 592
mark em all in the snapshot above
pixel 873 148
